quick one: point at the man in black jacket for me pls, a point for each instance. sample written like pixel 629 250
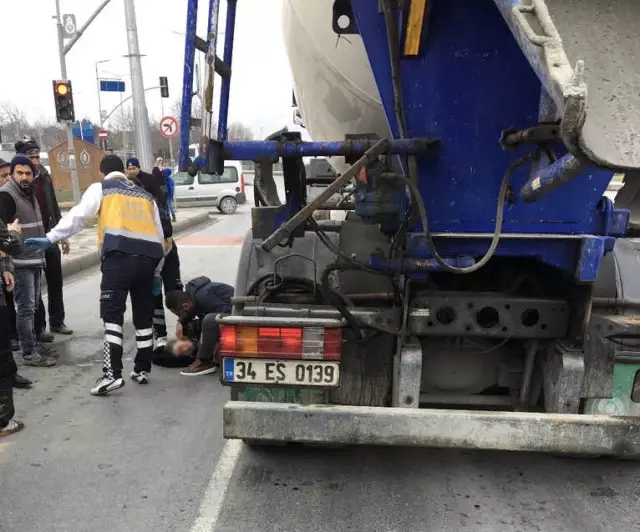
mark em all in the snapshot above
pixel 171 279
pixel 9 245
pixel 201 301
pixel 45 193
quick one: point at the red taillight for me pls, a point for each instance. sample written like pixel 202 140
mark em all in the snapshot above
pixel 312 343
pixel 241 182
pixel 332 344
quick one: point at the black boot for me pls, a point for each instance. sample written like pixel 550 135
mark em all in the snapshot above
pixel 21 382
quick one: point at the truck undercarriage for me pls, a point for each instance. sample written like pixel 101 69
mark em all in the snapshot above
pixel 480 292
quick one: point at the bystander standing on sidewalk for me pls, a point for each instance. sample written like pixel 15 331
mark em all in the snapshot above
pixel 8 283
pixel 9 245
pixel 50 210
pixel 5 172
pixel 171 190
pixel 17 200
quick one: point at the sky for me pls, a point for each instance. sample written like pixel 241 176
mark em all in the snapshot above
pixel 261 82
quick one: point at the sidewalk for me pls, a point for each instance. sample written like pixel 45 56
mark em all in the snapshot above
pixel 84 252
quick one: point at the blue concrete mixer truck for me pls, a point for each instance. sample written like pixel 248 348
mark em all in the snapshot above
pixel 480 290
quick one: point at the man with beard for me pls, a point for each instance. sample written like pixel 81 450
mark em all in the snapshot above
pixel 8 283
pixel 17 201
pixel 50 210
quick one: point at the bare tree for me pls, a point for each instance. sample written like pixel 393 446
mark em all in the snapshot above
pixel 239 131
pixel 13 122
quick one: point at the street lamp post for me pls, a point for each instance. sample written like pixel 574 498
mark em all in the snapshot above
pixel 140 114
pixel 99 91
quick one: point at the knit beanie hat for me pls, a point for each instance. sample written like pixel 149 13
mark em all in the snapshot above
pixel 26 146
pixel 23 160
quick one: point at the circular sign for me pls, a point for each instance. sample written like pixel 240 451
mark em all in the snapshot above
pixel 102 134
pixel 168 127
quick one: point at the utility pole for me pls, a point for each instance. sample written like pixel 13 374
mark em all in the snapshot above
pixel 63 50
pixel 140 114
pixel 71 149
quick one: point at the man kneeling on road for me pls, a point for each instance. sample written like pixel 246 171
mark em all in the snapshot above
pixel 131 241
pixel 202 300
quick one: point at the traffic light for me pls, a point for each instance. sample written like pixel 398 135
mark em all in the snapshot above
pixel 164 87
pixel 63 97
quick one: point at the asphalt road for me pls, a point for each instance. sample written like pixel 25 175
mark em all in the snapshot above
pixel 152 458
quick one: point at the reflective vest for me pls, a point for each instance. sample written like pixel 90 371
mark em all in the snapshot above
pixel 28 212
pixel 126 220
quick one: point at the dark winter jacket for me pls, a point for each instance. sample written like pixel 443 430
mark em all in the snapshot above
pixel 10 244
pixel 155 186
pixel 209 297
pixel 50 210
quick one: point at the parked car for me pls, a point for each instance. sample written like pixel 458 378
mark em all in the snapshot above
pixel 226 191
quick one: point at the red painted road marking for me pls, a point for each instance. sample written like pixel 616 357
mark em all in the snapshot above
pixel 210 240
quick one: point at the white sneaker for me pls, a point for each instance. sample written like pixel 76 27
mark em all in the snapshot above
pixel 161 342
pixel 104 385
pixel 140 378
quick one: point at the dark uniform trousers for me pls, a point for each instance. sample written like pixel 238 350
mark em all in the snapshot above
pixel 7 369
pixel 53 274
pixel 125 274
pixel 170 281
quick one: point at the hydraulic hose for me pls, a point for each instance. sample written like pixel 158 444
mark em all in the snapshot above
pixel 415 193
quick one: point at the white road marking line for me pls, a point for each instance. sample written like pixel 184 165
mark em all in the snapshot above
pixel 214 495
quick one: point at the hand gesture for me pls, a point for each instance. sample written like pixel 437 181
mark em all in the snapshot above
pixel 15 226
pixel 41 243
pixel 9 281
pixel 66 247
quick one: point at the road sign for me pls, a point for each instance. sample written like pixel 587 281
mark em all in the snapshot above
pixel 108 85
pixel 103 135
pixel 169 127
pixel 69 26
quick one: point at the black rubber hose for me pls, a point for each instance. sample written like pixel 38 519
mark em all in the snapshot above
pixel 417 197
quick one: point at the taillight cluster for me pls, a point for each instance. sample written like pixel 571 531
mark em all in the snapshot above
pixel 305 343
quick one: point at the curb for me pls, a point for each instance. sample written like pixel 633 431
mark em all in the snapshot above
pixel 92 258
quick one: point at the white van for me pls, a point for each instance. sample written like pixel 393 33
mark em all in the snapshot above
pixel 226 191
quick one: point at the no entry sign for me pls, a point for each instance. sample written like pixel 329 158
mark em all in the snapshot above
pixel 169 127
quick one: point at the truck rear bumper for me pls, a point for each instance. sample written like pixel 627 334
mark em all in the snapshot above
pixel 358 425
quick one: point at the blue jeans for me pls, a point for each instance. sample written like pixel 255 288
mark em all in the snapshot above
pixel 27 296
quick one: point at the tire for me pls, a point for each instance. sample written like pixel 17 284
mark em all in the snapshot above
pixel 228 205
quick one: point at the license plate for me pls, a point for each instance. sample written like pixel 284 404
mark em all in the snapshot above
pixel 281 372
